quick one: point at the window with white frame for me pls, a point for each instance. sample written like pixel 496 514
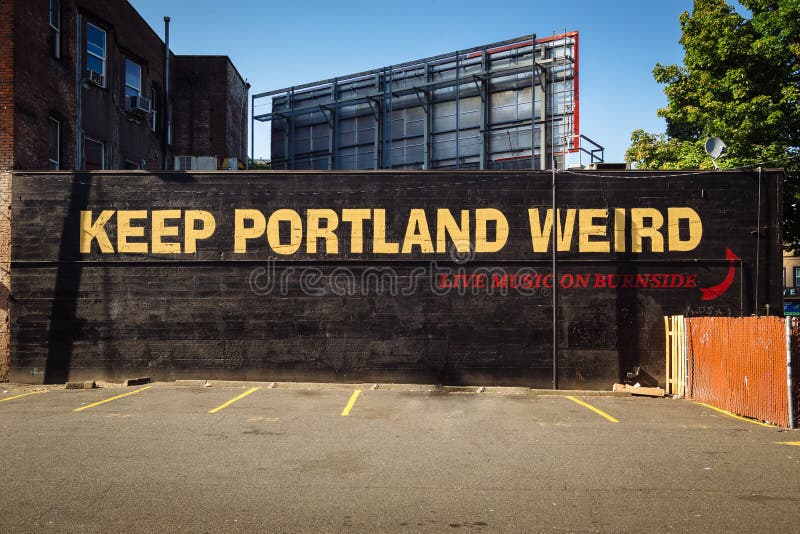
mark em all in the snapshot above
pixel 156 97
pixel 96 51
pixel 54 138
pixel 55 27
pixel 133 78
pixel 797 277
pixel 94 154
pixel 169 124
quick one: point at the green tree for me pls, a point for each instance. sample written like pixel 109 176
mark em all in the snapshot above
pixel 258 164
pixel 740 81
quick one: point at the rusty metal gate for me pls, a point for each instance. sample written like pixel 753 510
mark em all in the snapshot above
pixel 740 364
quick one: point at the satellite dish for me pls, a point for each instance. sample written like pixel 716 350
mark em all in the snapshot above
pixel 715 148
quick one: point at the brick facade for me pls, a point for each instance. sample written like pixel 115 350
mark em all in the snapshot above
pixel 45 84
pixel 49 87
pixel 6 164
pixel 204 127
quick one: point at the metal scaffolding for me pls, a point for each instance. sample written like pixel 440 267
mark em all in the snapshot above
pixel 506 105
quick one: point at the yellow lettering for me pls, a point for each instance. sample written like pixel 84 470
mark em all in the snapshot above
pixel 587 228
pixel 619 229
pixel 356 218
pixel 95 230
pixel 191 234
pixel 160 230
pixel 417 233
pixel 125 231
pixel 540 236
pixel 540 233
pixel 565 233
pixel 242 233
pixel 674 216
pixel 295 233
pixel 639 231
pixel 314 232
pixel 380 245
pixel 459 234
pixel 482 217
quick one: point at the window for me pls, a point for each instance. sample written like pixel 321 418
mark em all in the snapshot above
pixel 796 277
pixel 55 28
pixel 169 124
pixel 96 52
pixel 94 154
pixel 133 79
pixel 54 137
pixel 156 96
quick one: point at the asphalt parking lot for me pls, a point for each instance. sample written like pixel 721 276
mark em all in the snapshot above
pixel 312 458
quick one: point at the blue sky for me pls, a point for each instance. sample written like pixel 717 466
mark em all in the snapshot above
pixel 279 44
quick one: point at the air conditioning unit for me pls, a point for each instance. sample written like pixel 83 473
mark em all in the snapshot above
pixel 196 163
pixel 183 163
pixel 138 104
pixel 94 77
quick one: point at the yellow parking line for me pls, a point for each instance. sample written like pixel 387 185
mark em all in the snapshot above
pixel 795 443
pixel 23 395
pixel 598 411
pixel 739 417
pixel 351 402
pixel 225 405
pixel 110 399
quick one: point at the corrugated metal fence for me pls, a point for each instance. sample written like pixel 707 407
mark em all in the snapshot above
pixel 739 364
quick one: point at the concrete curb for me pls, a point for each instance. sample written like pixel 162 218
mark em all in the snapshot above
pixel 192 383
pixel 89 384
pixel 372 386
pixel 576 393
pixel 137 381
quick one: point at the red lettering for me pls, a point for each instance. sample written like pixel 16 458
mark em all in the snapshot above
pixel 691 280
pixel 627 280
pixel 600 281
pixel 581 280
pixel 443 282
pixel 548 281
pixel 676 280
pixel 567 281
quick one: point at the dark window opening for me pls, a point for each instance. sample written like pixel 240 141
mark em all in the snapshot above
pixel 54 141
pixel 93 154
pixel 55 28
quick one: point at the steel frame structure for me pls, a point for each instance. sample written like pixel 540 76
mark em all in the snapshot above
pixel 506 105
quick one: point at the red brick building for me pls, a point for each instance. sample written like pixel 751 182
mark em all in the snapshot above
pixel 82 87
pixel 88 91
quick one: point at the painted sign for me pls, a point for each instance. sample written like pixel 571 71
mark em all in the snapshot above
pixel 410 276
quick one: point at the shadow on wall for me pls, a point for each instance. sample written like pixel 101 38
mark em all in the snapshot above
pixel 5 298
pixel 64 325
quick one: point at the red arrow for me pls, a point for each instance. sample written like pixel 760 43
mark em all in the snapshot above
pixel 710 293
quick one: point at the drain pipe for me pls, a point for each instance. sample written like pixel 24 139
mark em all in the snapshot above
pixel 789 385
pixel 554 237
pixel 167 118
pixel 758 245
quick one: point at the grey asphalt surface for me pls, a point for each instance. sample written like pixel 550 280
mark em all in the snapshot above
pixel 286 460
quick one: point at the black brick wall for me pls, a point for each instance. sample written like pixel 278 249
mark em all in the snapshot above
pixel 178 316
